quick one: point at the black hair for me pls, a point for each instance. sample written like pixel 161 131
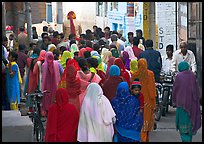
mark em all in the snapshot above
pixel 139 31
pixel 134 86
pixel 89 36
pixel 149 43
pixel 136 41
pixel 107 28
pixel 34 28
pixel 114 32
pixel 56 54
pixel 72 42
pixel 123 60
pixel 14 55
pixel 55 34
pixel 44 34
pixel 88 31
pixel 21 47
pixel 31 44
pixel 46 37
pixel 83 42
pixel 45 28
pixel 83 64
pixel 61 35
pixel 62 49
pixel 83 36
pixel 71 36
pixel 95 26
pixel 21 29
pixel 170 47
pixel 87 54
pixel 130 33
pixel 67 60
pixel 114 37
pixel 101 42
pixel 76 53
pixel 93 62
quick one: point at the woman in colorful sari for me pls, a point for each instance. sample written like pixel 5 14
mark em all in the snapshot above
pixel 127 60
pixel 123 71
pixel 130 52
pixel 133 66
pixel 146 78
pixel 66 54
pixel 109 64
pixel 38 68
pixel 62 120
pixel 86 77
pixel 81 52
pixel 73 86
pixel 13 81
pixel 186 96
pixel 50 80
pixel 96 117
pixel 110 85
pixel 105 59
pixel 129 121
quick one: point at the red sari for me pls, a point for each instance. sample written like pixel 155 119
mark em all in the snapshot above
pixel 123 71
pixel 63 119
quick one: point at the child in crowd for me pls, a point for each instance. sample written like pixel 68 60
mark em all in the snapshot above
pixel 13 81
pixel 136 92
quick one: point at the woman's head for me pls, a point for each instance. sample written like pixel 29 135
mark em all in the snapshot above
pixel 13 56
pixel 183 66
pixel 123 90
pixel 133 66
pixel 83 64
pixel 114 70
pixel 62 97
pixel 42 55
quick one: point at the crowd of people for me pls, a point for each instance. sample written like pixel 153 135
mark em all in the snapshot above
pixel 102 86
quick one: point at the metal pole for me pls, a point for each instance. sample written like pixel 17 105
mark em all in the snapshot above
pixel 103 14
pixel 29 21
pixel 3 19
pixel 176 25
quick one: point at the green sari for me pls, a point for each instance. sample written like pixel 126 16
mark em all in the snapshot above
pixel 184 125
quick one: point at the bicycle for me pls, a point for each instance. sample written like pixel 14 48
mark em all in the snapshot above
pixel 36 116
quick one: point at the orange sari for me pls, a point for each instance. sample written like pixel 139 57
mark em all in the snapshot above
pixel 146 78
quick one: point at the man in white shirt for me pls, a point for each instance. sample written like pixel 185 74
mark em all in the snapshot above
pixel 183 55
pixel 167 59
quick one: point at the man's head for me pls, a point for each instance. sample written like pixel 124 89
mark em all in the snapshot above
pixel 120 33
pixel 107 30
pixel 139 33
pixel 149 43
pixel 46 40
pixel 82 37
pixel 71 14
pixel 94 28
pixel 130 37
pixel 136 41
pixel 72 37
pixel 43 35
pixel 114 37
pixel 169 50
pixel 13 56
pixel 183 47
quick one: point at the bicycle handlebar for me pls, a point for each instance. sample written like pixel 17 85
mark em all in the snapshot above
pixel 38 93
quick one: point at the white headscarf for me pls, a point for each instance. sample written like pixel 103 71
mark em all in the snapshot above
pixel 130 52
pixel 96 117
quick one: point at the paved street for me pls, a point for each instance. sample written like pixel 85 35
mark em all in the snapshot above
pixel 166 130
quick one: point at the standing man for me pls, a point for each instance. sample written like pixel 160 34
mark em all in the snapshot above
pixel 130 39
pixel 135 48
pixel 139 35
pixel 167 59
pixel 71 25
pixel 153 58
pixel 22 37
pixel 183 54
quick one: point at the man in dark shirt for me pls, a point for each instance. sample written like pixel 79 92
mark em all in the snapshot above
pixel 22 62
pixel 135 48
pixel 153 58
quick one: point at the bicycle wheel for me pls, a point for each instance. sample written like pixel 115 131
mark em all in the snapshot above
pixel 39 131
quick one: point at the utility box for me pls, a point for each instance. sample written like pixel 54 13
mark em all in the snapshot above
pixel 16 128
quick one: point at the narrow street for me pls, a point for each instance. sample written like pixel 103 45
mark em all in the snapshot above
pixel 166 130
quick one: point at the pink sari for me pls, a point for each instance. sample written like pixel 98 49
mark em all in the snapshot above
pixel 50 79
pixel 85 82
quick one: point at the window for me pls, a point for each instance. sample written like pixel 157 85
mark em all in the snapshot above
pixel 99 8
pixel 114 6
